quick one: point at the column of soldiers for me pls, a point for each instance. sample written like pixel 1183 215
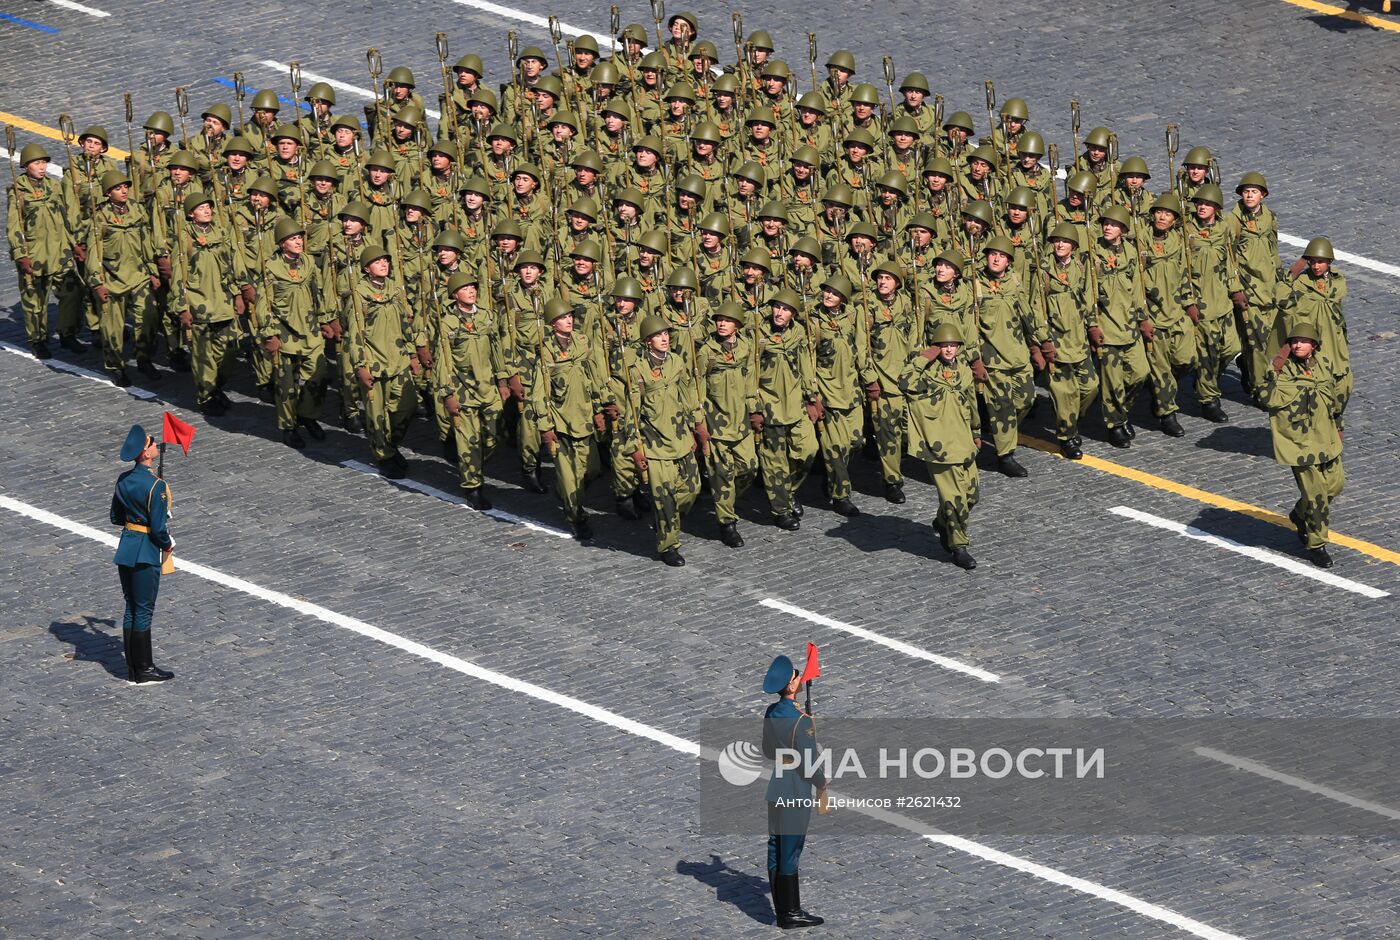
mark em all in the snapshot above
pixel 697 276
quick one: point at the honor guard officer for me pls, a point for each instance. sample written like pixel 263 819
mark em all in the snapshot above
pixel 789 794
pixel 141 506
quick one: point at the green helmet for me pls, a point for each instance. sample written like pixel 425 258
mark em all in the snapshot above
pixel 1134 166
pixel 892 268
pixel 587 160
pixel 527 169
pixel 951 258
pixel 979 210
pixel 761 115
pixel 460 280
pixel 839 194
pixel 961 120
pixel 904 124
pixel 689 20
pixel 162 122
pixel 563 116
pixel 372 252
pixel 286 132
pixel 628 288
pixel 380 159
pixel 409 114
pixel 986 153
pixel 812 101
pixel 704 48
pixel 355 210
pixel 1319 248
pixel 837 284
pixel 937 163
pixel 914 81
pixel 1002 244
pixel 862 229
pixel 807 245
pixel 1031 143
pixel 220 112
pixel 1210 193
pixel 716 222
pixel 557 307
pixel 653 60
pixel 894 180
pixel 773 209
pixel 922 219
pixel 588 251
pixel 503 131
pixel 786 297
pixel 1197 156
pixel 654 242
pixel 682 278
pixel 31 152
pixel 96 130
pixel 1082 182
pixel 650 142
pixel 399 75
pixel 679 91
pixel 842 59
pixel 729 310
pixel 758 258
pixel 633 31
pixel 114 178
pixel 605 73
pixel 861 136
pixel 629 194
pixel 806 154
pixel 265 185
pixel 1118 215
pixel 1303 329
pixel 185 160
pixel 691 185
pixel 487 97
pixel 448 238
pixel 1065 231
pixel 1168 202
pixel 752 172
pixel 321 92
pixel 759 39
pixel 477 185
pixel 508 228
pixel 707 133
pixel 1015 108
pixel 585 206
pixel 617 106
pixel 286 228
pixel 1098 137
pixel 775 68
pixel 417 200
pixel 652 324
pixel 946 332
pixel 551 86
pixel 528 257
pixel 194 200
pixel 1253 178
pixel 266 100
pixel 726 84
pixel 1021 197
pixel 347 122
pixel 445 147
pixel 865 93
pixel 585 43
pixel 470 63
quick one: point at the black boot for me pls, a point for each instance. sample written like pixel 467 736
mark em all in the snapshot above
pixel 1011 467
pixel 474 498
pixel 844 507
pixel 353 423
pixel 1171 426
pixel 266 394
pixel 41 350
pixel 120 379
pixel 148 369
pixel 1319 557
pixel 291 438
pixel 129 654
pixel 627 508
pixel 72 344
pixel 963 558
pixel 1213 413
pixel 313 427
pixel 673 558
pixel 179 360
pixel 390 470
pixel 1132 431
pixel 795 916
pixel 778 906
pixel 1071 450
pixel 580 528
pixel 147 671
pixel 534 480
pixel 729 535
pixel 788 522
pixel 894 493
pixel 1118 437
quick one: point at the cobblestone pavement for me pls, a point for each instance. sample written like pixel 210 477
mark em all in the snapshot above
pixel 300 780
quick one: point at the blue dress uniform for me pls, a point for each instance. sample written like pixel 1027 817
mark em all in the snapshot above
pixel 787 726
pixel 141 506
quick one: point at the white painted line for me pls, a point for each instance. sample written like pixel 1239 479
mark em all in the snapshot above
pixel 533 19
pixel 70 5
pixel 620 722
pixel 456 500
pixel 53 169
pixel 873 637
pixel 1263 770
pixel 1250 551
pixel 334 83
pixel 58 365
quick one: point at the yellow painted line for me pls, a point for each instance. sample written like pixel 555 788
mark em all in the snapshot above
pixel 43 130
pixel 1209 498
pixel 1345 14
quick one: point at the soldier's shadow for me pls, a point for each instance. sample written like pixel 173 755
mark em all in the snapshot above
pixel 1337 24
pixel 1247 531
pixel 91 644
pixel 748 893
pixel 1255 442
pixel 872 532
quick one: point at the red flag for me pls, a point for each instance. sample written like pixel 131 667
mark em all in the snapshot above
pixel 812 669
pixel 175 431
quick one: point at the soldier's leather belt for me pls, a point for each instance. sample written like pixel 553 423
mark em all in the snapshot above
pixel 133 527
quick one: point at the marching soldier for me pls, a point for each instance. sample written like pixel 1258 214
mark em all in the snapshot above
pixel 342 254
pixel 1252 232
pixel 845 377
pixel 624 334
pixel 1173 309
pixel 1316 295
pixel 893 333
pixel 122 273
pixel 1216 281
pixel 1122 328
pixel 1071 302
pixel 209 295
pixel 294 323
pixel 41 244
pixel 728 367
pixel 790 406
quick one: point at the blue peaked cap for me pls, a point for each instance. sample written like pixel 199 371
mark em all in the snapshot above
pixel 135 442
pixel 779 675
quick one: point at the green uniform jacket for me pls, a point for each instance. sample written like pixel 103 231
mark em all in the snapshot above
pixel 1254 239
pixel 843 357
pixel 82 192
pixel 1301 399
pixel 1215 277
pixel 942 410
pixel 952 304
pixel 122 253
pixel 731 387
pixel 893 333
pixel 167 205
pixel 469 356
pixel 294 306
pixel 1071 308
pixel 380 331
pixel 43 234
pixel 664 411
pixel 321 220
pixel 208 271
pixel 1320 303
pixel 256 236
pixel 1169 288
pixel 569 386
pixel 1009 321
pixel 1120 299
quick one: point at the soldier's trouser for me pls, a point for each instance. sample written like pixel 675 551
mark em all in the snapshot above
pixel 167 319
pixel 1259 340
pixel 34 301
pixel 140 586
pixel 1008 395
pixel 889 415
pixel 1073 388
pixel 1217 344
pixel 733 465
pixel 785 452
pixel 424 386
pixel 262 365
pixel 351 391
pixel 674 486
pixel 527 436
pixel 390 412
pixel 300 389
pixel 1319 484
pixel 214 344
pixel 625 478
pixel 841 434
pixel 475 429
pixel 1171 354
pixel 1122 371
pixel 787 836
pixel 575 464
pixel 135 304
pixel 959 488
